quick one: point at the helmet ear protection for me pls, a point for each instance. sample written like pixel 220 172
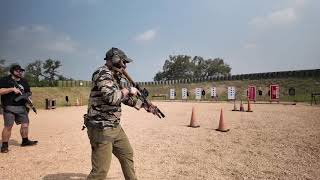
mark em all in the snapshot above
pixel 115 57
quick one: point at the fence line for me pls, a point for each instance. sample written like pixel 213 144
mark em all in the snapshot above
pixel 252 76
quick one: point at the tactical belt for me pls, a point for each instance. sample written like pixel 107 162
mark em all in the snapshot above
pixel 110 108
pixel 99 124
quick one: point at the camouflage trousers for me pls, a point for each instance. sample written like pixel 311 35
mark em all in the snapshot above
pixel 104 143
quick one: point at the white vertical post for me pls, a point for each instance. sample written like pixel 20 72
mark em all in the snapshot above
pixel 231 93
pixel 172 94
pixel 198 93
pixel 184 93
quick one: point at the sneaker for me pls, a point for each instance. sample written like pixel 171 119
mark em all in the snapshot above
pixel 4 149
pixel 29 143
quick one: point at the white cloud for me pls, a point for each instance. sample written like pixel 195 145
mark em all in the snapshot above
pixel 283 16
pixel 147 35
pixel 299 3
pixel 250 45
pixel 43 38
pixel 64 44
pixel 280 17
pixel 39 28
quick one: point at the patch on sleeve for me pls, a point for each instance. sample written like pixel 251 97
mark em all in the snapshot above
pixel 107 83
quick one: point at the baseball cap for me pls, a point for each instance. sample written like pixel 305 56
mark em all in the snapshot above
pixel 116 51
pixel 16 67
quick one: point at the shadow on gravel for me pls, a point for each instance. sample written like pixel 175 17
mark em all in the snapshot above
pixel 69 176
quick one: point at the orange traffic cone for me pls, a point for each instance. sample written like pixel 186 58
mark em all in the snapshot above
pixel 249 106
pixel 193 121
pixel 222 127
pixel 234 106
pixel 241 107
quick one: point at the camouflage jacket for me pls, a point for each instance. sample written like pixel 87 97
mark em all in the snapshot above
pixel 104 106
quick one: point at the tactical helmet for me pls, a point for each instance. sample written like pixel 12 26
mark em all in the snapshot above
pixel 115 55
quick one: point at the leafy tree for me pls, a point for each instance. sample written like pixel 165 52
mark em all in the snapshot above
pixel 40 73
pixel 177 67
pixel 199 66
pixel 34 73
pixel 183 67
pixel 50 70
pixel 62 78
pixel 3 69
pixel 217 67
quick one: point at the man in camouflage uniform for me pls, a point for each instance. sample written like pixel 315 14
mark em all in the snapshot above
pixel 103 117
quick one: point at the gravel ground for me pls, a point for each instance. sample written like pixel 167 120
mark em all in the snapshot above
pixel 275 141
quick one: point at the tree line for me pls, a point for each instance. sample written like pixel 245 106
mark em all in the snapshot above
pixel 38 73
pixel 185 67
pixel 45 73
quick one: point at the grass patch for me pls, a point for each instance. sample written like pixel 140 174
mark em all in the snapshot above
pixel 304 87
pixel 39 94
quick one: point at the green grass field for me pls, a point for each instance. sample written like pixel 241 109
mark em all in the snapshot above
pixel 59 94
pixel 304 87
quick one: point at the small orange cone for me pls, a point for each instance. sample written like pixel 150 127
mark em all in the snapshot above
pixel 222 127
pixel 234 106
pixel 193 121
pixel 249 106
pixel 241 107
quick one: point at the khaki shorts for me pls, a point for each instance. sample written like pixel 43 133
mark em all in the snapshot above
pixel 18 114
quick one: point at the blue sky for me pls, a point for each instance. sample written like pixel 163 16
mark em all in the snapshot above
pixel 250 35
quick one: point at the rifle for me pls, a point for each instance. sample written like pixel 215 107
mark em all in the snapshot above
pixel 143 96
pixel 26 96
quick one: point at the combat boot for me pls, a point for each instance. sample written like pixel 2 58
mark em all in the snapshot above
pixel 4 149
pixel 29 143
